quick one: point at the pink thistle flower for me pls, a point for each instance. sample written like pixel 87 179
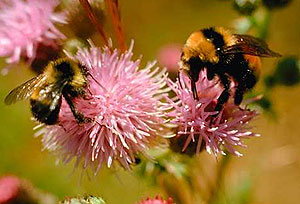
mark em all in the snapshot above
pixel 157 200
pixel 9 188
pixel 169 56
pixel 18 190
pixel 26 23
pixel 193 118
pixel 124 102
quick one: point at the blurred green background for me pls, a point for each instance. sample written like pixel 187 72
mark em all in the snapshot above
pixel 271 163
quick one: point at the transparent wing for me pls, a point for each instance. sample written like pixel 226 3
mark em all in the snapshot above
pixel 51 95
pixel 250 45
pixel 46 104
pixel 25 90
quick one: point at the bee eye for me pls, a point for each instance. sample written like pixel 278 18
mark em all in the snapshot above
pixel 65 68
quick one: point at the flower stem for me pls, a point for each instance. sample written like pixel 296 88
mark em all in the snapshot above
pixel 265 25
pixel 113 8
pixel 87 7
pixel 215 192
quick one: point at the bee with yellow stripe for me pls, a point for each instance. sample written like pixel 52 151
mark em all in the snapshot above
pixel 227 56
pixel 61 78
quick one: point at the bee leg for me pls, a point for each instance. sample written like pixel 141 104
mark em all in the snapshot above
pixel 194 90
pixel 239 93
pixel 196 65
pixel 78 116
pixel 248 82
pixel 179 80
pixel 193 86
pixel 223 98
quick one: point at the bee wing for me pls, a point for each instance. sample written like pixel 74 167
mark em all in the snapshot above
pixel 52 95
pixel 45 106
pixel 250 45
pixel 24 91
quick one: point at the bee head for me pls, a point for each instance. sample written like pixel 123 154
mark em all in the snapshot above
pixel 64 67
pixel 192 67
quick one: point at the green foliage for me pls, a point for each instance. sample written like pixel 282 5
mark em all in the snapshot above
pixel 163 162
pixel 72 45
pixel 237 194
pixel 287 71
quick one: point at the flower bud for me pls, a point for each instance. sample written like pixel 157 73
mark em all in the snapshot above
pixel 245 7
pixel 157 200
pixel 83 200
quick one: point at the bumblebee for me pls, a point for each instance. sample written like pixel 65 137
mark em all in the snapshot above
pixel 61 78
pixel 230 57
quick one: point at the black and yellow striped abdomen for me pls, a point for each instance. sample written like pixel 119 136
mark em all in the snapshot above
pixel 43 113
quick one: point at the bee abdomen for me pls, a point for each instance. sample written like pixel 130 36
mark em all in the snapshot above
pixel 216 38
pixel 42 112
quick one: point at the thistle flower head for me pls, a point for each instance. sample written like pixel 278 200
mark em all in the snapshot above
pixel 124 104
pixel 157 200
pixel 196 130
pixel 9 188
pixel 26 23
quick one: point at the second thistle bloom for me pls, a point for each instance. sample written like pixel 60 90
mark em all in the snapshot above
pixel 196 130
pixel 24 24
pixel 124 103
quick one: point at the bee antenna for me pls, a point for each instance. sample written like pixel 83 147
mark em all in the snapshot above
pixel 96 81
